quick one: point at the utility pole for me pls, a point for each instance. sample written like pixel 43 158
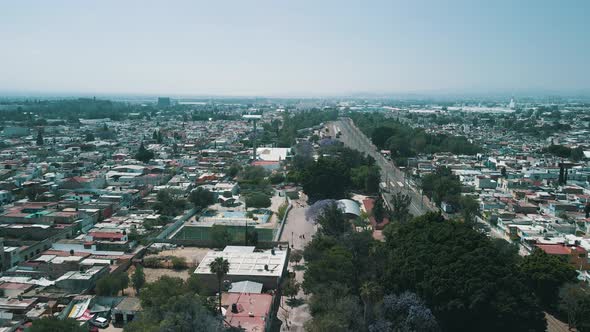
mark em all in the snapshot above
pixel 246 232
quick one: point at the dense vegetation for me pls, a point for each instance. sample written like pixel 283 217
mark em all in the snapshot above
pixel 461 275
pixel 292 123
pixel 172 304
pixel 337 171
pixel 404 141
pixel 575 154
pixel 442 186
pixel 53 324
pixel 465 280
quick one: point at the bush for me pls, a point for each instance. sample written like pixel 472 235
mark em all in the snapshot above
pixel 152 262
pixel 179 263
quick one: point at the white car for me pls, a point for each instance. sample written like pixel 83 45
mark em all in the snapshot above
pixel 100 322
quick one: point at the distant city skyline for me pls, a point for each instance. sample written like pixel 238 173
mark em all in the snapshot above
pixel 294 49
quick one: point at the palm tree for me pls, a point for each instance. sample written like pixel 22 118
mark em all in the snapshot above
pixel 370 292
pixel 220 267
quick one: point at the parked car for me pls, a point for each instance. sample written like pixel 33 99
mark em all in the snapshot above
pixel 99 322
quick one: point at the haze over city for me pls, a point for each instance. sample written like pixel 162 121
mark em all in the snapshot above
pixel 295 166
pixel 294 48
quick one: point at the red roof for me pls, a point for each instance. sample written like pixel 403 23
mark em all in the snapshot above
pixel 253 310
pixel 559 249
pixel 80 179
pixel 106 235
pixel 14 285
pixel 63 253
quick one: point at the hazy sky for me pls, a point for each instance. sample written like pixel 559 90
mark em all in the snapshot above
pixel 293 47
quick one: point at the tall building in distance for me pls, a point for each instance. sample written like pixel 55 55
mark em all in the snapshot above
pixel 164 101
pixel 512 104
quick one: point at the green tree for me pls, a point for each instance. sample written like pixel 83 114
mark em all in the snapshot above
pixel 39 138
pixel 442 186
pixel 220 236
pixel 89 137
pixel 253 174
pixel 370 293
pixel 276 178
pixel 220 267
pixel 545 274
pixel 332 221
pixel 201 198
pixel 144 155
pixel 53 324
pixel 574 301
pixel 381 135
pixel 123 281
pixel 469 208
pixel 334 309
pixel 372 180
pixel 295 256
pixel 366 178
pixel 326 178
pixel 258 200
pixel 400 204
pixel 290 287
pixel 378 210
pixel 169 203
pixel 334 266
pixel 577 154
pixel 138 278
pixel 458 271
pixel 179 263
pixel 107 286
pixel 170 304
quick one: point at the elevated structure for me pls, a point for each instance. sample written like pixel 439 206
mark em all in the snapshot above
pixel 253 118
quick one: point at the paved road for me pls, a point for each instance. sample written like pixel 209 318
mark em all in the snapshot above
pixel 395 179
pixel 297 232
pixel 297 225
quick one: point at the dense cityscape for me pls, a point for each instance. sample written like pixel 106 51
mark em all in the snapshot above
pixel 284 214
pixel 294 166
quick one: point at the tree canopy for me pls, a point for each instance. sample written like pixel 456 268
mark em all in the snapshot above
pixel 172 304
pixel 545 274
pixel 144 155
pixel 404 141
pixel 53 324
pixel 461 276
pixel 201 198
pixel 258 200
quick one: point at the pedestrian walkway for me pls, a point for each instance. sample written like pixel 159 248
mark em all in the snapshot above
pixel 298 232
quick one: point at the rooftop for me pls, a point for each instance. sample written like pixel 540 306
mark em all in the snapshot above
pixel 246 262
pixel 252 310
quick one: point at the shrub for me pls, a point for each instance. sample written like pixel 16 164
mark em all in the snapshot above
pixel 179 263
pixel 152 262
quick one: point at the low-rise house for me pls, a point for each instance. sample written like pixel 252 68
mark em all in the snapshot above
pixel 266 266
pixel 250 312
pixel 126 310
pixel 575 255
